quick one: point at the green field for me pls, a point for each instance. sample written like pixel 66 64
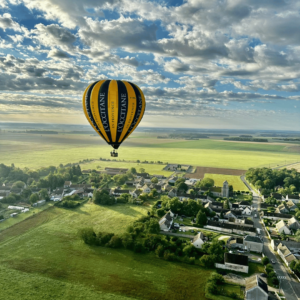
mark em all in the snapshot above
pixel 235 181
pixel 43 258
pixel 35 151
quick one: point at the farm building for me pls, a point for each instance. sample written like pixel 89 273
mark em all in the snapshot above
pixel 15 207
pixel 39 203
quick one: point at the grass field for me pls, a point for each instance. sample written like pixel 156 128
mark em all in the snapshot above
pixel 235 181
pixel 48 150
pixel 45 254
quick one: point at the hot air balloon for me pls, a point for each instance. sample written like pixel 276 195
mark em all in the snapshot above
pixel 114 108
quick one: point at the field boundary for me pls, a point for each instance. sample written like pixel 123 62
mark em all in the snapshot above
pixel 201 171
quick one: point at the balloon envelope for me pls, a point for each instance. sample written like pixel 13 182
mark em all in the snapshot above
pixel 114 108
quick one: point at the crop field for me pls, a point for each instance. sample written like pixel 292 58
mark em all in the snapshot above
pixel 201 171
pixel 43 258
pixel 33 151
pixel 235 181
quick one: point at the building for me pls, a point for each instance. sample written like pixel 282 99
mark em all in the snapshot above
pixel 244 204
pixel 282 228
pixel 67 184
pixel 146 189
pixel 234 262
pixel 118 192
pixel 198 240
pixel 135 194
pixel 225 189
pixel 293 224
pixel 275 216
pixel 15 207
pixel 247 211
pixel 277 196
pixel 294 198
pixel 281 209
pixel 256 288
pixel 235 243
pixel 230 228
pixel 39 203
pixel 253 243
pixel 291 205
pixel 172 193
pixel 285 253
pixel 166 221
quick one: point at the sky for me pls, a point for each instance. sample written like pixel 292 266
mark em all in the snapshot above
pixel 231 64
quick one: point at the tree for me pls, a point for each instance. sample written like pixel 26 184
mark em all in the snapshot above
pixel 201 218
pixel 160 212
pixel 211 288
pixel 88 236
pixel 115 242
pixel 179 181
pixel 207 261
pixel 205 183
pixel 226 204
pixel 182 187
pixel 217 278
pixel 142 170
pixel 175 205
pixel 26 193
pixel 297 235
pixel 103 198
pixel 34 198
pixel 265 260
pixel 133 170
pixel 44 194
pixel 153 226
pixel 216 250
pixel 18 185
pixel 154 180
pixel 1 217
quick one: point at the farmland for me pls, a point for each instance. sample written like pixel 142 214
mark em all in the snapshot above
pixel 46 254
pixel 48 150
pixel 201 171
pixel 235 181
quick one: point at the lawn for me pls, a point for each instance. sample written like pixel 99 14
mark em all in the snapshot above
pixel 235 181
pixel 48 150
pixel 45 255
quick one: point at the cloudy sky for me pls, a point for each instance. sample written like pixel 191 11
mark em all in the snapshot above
pixel 200 63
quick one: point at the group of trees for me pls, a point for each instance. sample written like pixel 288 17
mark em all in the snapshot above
pixel 271 274
pixel 103 198
pixel 266 180
pixel 205 183
pixel 142 236
pixel 190 208
pixel 295 266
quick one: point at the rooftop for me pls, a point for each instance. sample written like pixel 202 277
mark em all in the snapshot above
pixel 254 281
pixel 254 239
pixel 236 259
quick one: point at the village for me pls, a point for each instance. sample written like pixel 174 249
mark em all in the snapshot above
pixel 255 229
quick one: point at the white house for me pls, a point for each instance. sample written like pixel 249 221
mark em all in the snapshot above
pixel 282 228
pixel 25 210
pixel 247 211
pixel 166 221
pixel 15 207
pixel 198 240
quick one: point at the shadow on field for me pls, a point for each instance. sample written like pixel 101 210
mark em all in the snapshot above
pixel 125 209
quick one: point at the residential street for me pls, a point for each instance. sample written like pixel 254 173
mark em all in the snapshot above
pixel 279 267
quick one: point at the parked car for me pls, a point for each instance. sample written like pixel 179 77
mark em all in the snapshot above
pixel 241 251
pixel 273 261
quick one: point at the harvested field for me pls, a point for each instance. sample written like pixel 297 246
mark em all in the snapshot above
pixel 201 171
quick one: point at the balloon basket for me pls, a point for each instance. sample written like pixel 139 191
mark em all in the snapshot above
pixel 114 154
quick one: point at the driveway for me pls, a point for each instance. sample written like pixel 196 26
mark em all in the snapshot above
pixel 281 271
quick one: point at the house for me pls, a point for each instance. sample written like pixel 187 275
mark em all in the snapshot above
pixel 166 221
pixel 39 203
pixel 191 182
pixel 230 215
pixel 277 196
pixel 293 224
pixel 173 180
pixel 143 175
pixel 129 183
pixel 25 210
pixel 167 187
pixel 247 211
pixel 216 191
pixel 135 194
pixel 253 243
pixel 198 240
pixel 282 228
pixel 67 184
pixel 225 189
pixel 293 198
pixel 281 209
pixel 158 176
pixel 13 215
pixel 234 262
pixel 256 288
pixel 291 205
pixel 157 187
pixel 285 253
pixel 146 189
pixel 172 193
pixel 275 216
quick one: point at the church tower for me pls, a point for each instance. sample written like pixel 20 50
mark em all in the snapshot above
pixel 225 189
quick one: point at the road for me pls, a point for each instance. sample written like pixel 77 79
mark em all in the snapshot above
pixel 282 273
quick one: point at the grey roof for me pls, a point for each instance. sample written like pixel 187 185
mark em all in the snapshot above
pixel 256 280
pixel 245 203
pixel 168 219
pixel 117 191
pixel 293 196
pixel 236 259
pixel 254 239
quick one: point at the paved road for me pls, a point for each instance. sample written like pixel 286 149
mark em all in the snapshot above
pixel 279 267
